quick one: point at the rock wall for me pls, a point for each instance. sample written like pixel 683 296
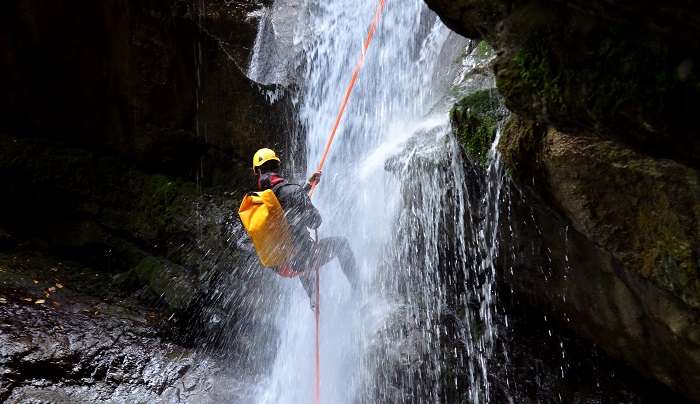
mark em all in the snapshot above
pixel 118 118
pixel 611 248
pixel 126 129
pixel 157 82
pixel 603 228
pixel 57 344
pixel 622 70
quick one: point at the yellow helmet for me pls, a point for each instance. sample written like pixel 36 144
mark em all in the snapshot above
pixel 262 156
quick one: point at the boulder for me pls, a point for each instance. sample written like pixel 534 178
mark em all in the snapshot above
pixel 606 240
pixel 644 211
pixel 603 156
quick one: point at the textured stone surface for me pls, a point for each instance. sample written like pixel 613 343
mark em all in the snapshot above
pixel 606 239
pixel 644 211
pixel 472 18
pixel 68 335
pixel 475 119
pixel 78 357
pixel 625 71
pixel 584 288
pixel 161 83
pixel 604 146
pixel 125 134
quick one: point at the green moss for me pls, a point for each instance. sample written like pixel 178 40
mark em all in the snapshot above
pixel 521 147
pixel 666 249
pixel 484 49
pixel 536 72
pixel 163 282
pixel 161 200
pixel 609 75
pixel 474 120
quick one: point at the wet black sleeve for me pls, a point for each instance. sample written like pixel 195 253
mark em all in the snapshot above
pixel 309 214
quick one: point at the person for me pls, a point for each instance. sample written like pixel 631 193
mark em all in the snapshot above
pixel 303 216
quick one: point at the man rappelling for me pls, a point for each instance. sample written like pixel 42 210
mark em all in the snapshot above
pixel 278 219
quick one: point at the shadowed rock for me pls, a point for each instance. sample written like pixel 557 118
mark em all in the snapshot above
pixel 604 154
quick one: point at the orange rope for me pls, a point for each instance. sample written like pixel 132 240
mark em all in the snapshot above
pixel 331 137
pixel 348 91
pixel 317 316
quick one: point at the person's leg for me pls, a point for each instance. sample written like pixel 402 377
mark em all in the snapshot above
pixel 327 249
pixel 331 247
pixel 309 283
pixel 302 263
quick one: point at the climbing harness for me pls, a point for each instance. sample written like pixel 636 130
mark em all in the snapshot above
pixel 326 150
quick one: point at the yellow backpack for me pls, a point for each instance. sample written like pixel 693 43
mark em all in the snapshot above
pixel 264 220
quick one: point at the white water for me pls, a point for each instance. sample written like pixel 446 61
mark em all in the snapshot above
pixel 394 185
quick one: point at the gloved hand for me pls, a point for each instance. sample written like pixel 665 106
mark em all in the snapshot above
pixel 315 178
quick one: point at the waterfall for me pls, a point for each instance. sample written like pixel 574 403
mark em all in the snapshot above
pixel 395 187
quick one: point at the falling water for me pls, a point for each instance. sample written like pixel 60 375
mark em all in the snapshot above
pixel 395 186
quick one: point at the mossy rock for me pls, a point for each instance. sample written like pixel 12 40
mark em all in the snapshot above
pixel 475 120
pixel 520 147
pixel 582 77
pixel 166 281
pixel 484 49
pixel 162 199
pixel 641 210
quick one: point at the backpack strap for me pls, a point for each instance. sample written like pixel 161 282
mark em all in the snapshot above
pixel 273 189
pixel 279 186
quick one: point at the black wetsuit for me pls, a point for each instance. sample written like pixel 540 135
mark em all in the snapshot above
pixel 302 215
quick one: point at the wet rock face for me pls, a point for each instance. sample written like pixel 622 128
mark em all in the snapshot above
pixel 603 232
pixel 74 357
pixel 645 212
pixel 474 119
pixel 606 238
pixel 626 71
pixel 160 83
pixel 67 335
pixel 124 145
pixel 471 18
